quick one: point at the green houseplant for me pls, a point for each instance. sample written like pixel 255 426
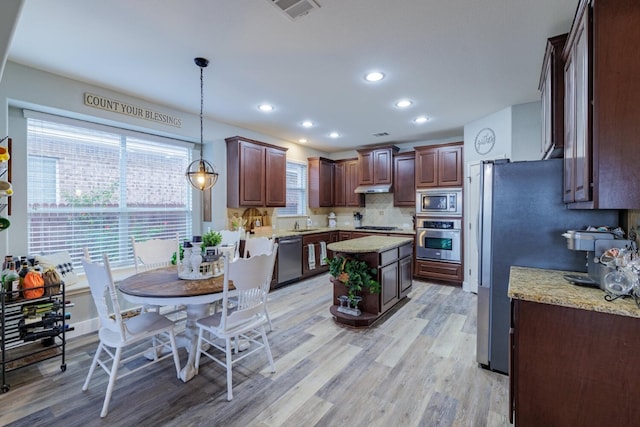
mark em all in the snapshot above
pixel 355 274
pixel 211 239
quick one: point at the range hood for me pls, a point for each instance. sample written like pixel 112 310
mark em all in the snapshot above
pixel 378 188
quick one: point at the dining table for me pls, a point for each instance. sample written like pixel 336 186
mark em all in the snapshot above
pixel 163 287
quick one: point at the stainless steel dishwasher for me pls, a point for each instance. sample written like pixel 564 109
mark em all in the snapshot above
pixel 289 259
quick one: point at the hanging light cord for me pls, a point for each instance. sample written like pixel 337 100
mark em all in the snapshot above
pixel 201 110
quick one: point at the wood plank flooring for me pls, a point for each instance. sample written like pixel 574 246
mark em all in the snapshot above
pixel 415 368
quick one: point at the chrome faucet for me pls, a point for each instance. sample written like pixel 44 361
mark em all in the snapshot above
pixel 296 226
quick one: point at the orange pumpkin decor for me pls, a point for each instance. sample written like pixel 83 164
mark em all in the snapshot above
pixel 33 285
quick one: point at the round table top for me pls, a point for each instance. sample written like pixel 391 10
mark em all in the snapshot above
pixel 165 283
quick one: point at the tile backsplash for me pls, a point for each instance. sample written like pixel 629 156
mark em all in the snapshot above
pixel 378 210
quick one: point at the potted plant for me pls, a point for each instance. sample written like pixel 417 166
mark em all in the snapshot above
pixel 356 276
pixel 210 241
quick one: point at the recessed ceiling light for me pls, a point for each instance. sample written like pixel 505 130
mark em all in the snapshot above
pixel 374 76
pixel 403 103
pixel 302 141
pixel 334 135
pixel 265 107
pixel 421 119
pixel 307 123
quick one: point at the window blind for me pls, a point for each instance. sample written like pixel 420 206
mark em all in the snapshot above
pixel 296 190
pixel 97 187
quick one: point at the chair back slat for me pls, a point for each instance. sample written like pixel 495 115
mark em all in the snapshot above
pixel 104 294
pixel 154 253
pixel 258 246
pixel 249 276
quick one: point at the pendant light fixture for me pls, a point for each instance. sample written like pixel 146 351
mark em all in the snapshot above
pixel 201 174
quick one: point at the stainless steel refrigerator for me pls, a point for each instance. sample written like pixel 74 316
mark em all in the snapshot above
pixel 522 218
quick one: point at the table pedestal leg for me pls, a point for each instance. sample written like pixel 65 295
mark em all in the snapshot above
pixel 194 312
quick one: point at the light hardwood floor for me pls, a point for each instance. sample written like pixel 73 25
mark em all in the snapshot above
pixel 415 368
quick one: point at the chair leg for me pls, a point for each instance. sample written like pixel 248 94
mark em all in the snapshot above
pixel 112 380
pixel 229 363
pixel 174 349
pixel 265 341
pixel 198 350
pixel 94 363
pixel 269 320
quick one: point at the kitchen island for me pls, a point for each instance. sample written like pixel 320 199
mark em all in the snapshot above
pixel 574 356
pixel 391 257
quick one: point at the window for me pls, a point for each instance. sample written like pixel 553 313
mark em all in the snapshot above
pixel 296 190
pixel 95 186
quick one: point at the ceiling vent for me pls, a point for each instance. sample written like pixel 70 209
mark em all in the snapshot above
pixel 379 134
pixel 295 9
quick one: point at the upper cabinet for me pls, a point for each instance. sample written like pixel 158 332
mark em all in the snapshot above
pixel 551 88
pixel 404 179
pixel 332 183
pixel 438 165
pixel 376 165
pixel 256 173
pixel 321 182
pixel 602 90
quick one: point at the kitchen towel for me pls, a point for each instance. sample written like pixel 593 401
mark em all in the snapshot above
pixel 323 253
pixel 312 256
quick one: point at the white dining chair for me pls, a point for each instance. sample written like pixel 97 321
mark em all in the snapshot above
pixel 246 321
pixel 261 246
pixel 156 253
pixel 117 333
pixel 230 237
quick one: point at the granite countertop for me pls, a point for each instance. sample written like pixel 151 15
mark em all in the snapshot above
pixel 550 287
pixel 369 244
pixel 268 231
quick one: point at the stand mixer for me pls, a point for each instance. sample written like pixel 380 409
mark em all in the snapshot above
pixel 595 243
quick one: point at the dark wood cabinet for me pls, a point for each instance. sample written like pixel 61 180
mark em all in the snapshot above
pixel 551 88
pixel 375 165
pixel 439 270
pixel 256 173
pixel 321 182
pixel 313 239
pixel 438 165
pixel 572 367
pixel 345 183
pixel 601 106
pixel 404 179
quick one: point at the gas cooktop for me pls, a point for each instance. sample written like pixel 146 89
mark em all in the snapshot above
pixel 376 227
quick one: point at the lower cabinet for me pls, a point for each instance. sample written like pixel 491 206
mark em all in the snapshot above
pixel 314 239
pixel 573 367
pixel 439 270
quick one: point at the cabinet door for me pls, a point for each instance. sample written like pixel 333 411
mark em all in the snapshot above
pixel 545 100
pixel 365 168
pixel 450 166
pixel 389 285
pixel 404 178
pixel 569 128
pixel 252 172
pixel 582 175
pixel 339 184
pixel 426 164
pixel 351 182
pixel 383 166
pixel 276 178
pixel 321 182
pixel 404 275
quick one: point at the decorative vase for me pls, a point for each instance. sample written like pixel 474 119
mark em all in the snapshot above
pixel 186 260
pixel 351 306
pixel 196 260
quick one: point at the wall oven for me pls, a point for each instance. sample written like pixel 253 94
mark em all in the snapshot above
pixel 439 202
pixel 439 240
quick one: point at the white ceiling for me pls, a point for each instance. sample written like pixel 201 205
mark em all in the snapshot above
pixel 458 60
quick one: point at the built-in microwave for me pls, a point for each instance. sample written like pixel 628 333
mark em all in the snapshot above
pixel 439 202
